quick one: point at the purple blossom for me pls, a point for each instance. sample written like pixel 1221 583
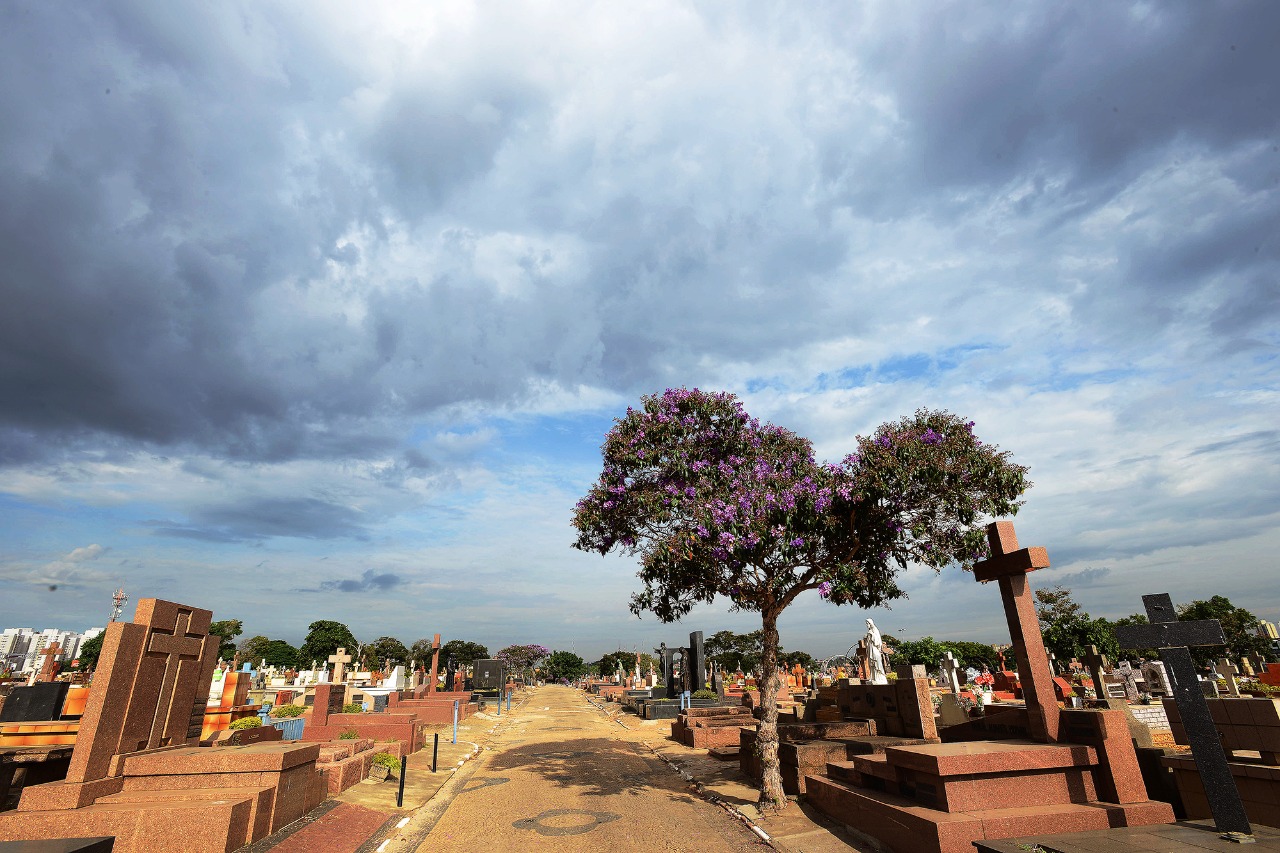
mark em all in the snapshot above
pixel 931 437
pixel 824 589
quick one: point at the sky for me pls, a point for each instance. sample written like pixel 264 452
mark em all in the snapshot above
pixel 321 311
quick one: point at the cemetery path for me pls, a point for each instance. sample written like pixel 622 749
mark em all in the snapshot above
pixel 559 774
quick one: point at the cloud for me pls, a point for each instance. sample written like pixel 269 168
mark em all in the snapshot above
pixel 373 290
pixel 370 581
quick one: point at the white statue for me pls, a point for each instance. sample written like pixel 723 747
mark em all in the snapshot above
pixel 875 655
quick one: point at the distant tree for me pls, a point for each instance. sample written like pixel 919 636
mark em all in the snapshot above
pixel 324 637
pixel 90 649
pixel 227 630
pixel 803 658
pixel 608 665
pixel 1239 625
pixel 714 503
pixel 278 653
pixel 521 658
pixel 386 648
pixel 925 651
pixel 1068 630
pixel 976 655
pixel 254 648
pixel 564 665
pixel 463 652
pixel 730 650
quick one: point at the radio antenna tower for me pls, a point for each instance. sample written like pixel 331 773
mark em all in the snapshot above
pixel 118 601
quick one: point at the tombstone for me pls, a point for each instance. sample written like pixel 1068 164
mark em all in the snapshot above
pixel 1208 687
pixel 433 676
pixel 1173 638
pixel 1097 664
pixel 35 703
pixel 1157 680
pixel 696 662
pixel 1228 671
pixel 952 711
pixel 339 659
pixel 488 675
pixel 1246 667
pixel 950 672
pixel 450 672
pixel 1129 679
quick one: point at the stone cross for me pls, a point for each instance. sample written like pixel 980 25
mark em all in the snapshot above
pixel 1097 664
pixel 50 655
pixel 1259 663
pixel 1008 565
pixel 432 676
pixel 950 672
pixel 1053 663
pixel 1246 667
pixel 1228 671
pixel 339 659
pixel 1172 638
pixel 1129 678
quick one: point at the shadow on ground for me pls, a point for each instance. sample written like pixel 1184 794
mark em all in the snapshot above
pixel 595 767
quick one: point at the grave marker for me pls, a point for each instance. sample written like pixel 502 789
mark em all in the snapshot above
pixel 339 659
pixel 433 676
pixel 1097 664
pixel 1009 565
pixel 49 668
pixel 1228 671
pixel 950 672
pixel 1173 638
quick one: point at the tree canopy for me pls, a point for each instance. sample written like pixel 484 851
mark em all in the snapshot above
pixel 565 666
pixel 275 652
pixel 463 652
pixel 1239 625
pixel 227 630
pixel 89 651
pixel 518 658
pixel 608 665
pixel 324 637
pixel 713 502
pixel 386 648
pixel 1068 630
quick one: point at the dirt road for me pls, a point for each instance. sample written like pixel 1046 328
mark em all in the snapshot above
pixel 561 775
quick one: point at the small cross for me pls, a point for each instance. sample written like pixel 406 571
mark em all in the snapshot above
pixel 1246 666
pixel 950 670
pixel 1228 671
pixel 339 659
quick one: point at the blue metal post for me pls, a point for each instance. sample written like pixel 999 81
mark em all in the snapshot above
pixel 455 720
pixel 508 701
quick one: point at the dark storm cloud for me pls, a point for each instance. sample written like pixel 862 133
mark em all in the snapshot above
pixel 306 518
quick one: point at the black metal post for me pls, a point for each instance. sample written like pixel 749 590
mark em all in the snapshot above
pixel 404 762
pixel 435 751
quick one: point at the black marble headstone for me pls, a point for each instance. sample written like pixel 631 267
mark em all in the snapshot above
pixel 488 674
pixel 1172 638
pixel 695 664
pixel 37 703
pixel 379 703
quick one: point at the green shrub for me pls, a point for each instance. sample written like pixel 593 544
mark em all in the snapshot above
pixel 705 694
pixel 285 712
pixel 387 760
pixel 349 734
pixel 353 708
pixel 245 723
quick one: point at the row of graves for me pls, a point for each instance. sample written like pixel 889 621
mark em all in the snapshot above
pixel 150 752
pixel 924 764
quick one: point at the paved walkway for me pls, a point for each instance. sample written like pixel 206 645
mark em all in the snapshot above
pixel 559 774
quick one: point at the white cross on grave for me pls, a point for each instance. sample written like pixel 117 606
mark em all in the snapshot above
pixel 1228 671
pixel 339 659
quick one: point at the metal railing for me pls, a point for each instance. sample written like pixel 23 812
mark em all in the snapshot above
pixel 290 727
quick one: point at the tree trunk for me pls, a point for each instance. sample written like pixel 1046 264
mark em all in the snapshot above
pixel 772 797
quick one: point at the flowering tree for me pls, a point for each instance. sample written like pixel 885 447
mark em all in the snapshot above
pixel 713 502
pixel 520 658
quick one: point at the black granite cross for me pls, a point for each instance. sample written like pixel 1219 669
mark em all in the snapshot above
pixel 1172 638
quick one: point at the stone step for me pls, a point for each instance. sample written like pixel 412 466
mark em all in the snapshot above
pixel 905 825
pixel 997 757
pixel 259 798
pixel 724 753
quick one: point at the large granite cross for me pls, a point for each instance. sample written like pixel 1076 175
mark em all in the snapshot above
pixel 182 644
pixel 1172 638
pixel 1009 566
pixel 339 659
